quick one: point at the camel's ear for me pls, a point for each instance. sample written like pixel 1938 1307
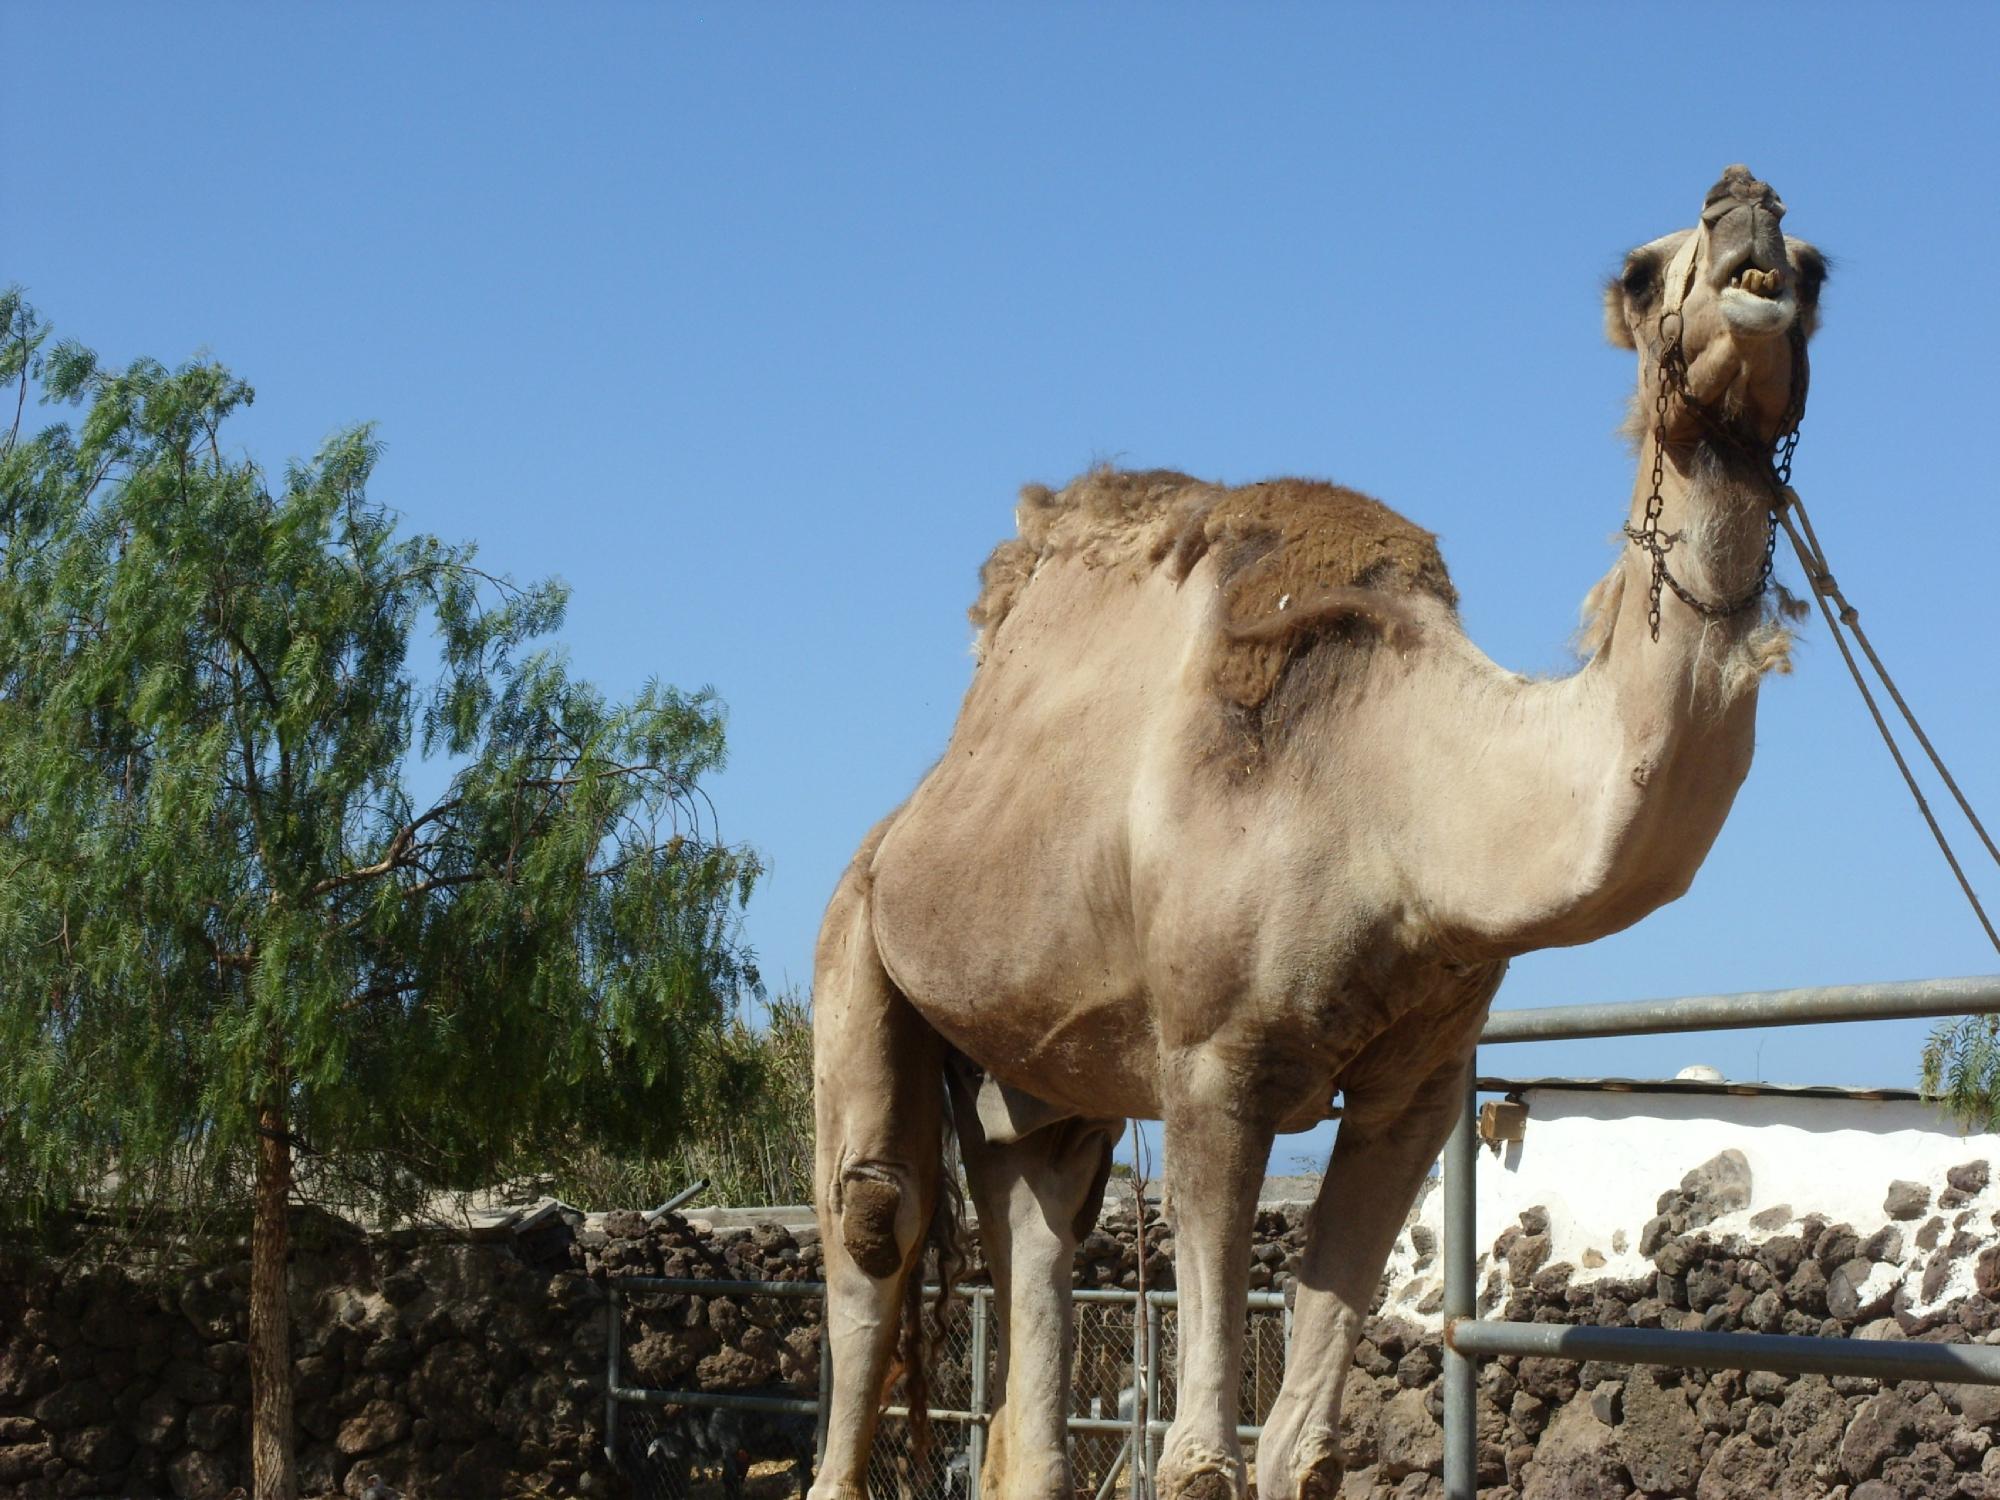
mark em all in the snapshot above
pixel 1811 268
pixel 1616 328
pixel 1628 294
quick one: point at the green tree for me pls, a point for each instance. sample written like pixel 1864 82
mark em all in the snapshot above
pixel 237 945
pixel 1961 1069
pixel 756 1149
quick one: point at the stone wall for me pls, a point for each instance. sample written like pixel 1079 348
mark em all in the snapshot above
pixel 1557 1430
pixel 476 1369
pixel 1929 1269
pixel 445 1368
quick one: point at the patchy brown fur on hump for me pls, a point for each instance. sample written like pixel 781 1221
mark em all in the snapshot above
pixel 1295 559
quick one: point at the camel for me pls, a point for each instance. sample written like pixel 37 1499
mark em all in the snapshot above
pixel 1235 818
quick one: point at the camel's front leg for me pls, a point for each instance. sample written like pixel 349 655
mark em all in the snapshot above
pixel 1401 1096
pixel 1216 1147
pixel 1366 1193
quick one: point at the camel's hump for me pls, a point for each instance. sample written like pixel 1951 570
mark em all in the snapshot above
pixel 1290 557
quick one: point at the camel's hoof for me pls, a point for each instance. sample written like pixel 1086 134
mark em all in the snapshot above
pixel 1322 1480
pixel 1208 1484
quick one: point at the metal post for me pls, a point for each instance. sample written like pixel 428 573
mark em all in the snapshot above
pixel 674 1202
pixel 1111 1475
pixel 975 1439
pixel 1155 1330
pixel 611 1382
pixel 1461 1168
pixel 825 1386
pixel 1140 1379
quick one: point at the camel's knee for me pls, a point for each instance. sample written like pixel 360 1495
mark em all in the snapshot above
pixel 880 1219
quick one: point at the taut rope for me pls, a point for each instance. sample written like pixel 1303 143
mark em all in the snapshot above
pixel 1828 595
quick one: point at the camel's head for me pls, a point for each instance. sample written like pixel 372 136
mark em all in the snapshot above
pixel 1740 297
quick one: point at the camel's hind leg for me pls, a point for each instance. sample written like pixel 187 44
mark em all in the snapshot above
pixel 878 1098
pixel 1037 1196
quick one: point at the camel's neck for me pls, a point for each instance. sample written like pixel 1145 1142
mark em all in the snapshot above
pixel 1679 687
pixel 1587 802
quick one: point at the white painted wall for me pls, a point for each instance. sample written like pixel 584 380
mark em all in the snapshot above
pixel 1599 1161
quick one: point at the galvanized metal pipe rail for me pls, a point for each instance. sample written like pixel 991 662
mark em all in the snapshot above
pixel 1969 1364
pixel 1906 999
pixel 1467 1337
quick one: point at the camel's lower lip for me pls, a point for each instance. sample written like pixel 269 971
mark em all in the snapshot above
pixel 1751 315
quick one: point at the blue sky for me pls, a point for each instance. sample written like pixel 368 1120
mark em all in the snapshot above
pixel 749 322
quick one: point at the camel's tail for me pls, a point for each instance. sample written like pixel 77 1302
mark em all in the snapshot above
pixel 944 1256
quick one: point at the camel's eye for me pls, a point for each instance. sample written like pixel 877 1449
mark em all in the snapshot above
pixel 1639 277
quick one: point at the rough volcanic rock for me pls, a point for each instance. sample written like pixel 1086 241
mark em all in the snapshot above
pixel 81 1403
pixel 375 1426
pixel 458 1368
pixel 732 1369
pixel 1410 1440
pixel 1659 1439
pixel 1906 1200
pixel 1884 1426
pixel 1576 1459
pixel 1718 1186
pixel 198 1475
pixel 215 1426
pixel 1741 1468
pixel 20 1462
pixel 96 1450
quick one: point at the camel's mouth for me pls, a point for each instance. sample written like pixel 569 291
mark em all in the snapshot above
pixel 1758 283
pixel 1755 308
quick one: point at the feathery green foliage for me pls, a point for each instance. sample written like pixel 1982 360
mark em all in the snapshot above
pixel 758 1152
pixel 219 883
pixel 1961 1070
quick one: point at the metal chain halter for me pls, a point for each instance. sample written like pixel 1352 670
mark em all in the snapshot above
pixel 1647 536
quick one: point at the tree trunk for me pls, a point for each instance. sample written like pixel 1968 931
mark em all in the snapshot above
pixel 271 1456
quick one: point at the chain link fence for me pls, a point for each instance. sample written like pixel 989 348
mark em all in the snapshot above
pixel 714 1386
pixel 693 1441
pixel 959 1376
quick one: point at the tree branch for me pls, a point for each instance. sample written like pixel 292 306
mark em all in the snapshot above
pixel 20 400
pixel 397 856
pixel 235 638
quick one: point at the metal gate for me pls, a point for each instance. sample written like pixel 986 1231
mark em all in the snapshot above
pixel 692 1444
pixel 1468 1337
